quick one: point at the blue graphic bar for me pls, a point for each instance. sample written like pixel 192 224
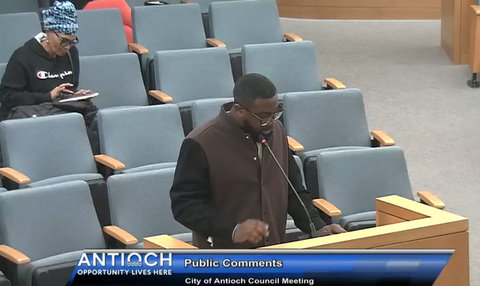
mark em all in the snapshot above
pixel 259 267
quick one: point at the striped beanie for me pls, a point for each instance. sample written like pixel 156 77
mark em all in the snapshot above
pixel 61 17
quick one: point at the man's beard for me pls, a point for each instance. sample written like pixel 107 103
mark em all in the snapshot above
pixel 255 135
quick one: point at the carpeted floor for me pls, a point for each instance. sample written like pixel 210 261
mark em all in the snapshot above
pixel 414 93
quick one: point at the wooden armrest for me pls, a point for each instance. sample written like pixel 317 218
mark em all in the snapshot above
pixel 476 8
pixel 431 200
pixel 294 145
pixel 165 241
pixel 185 1
pixel 334 83
pixel 13 255
pixel 110 162
pixel 120 234
pixel 14 175
pixel 327 207
pixel 137 48
pixel 291 37
pixel 383 138
pixel 215 43
pixel 161 96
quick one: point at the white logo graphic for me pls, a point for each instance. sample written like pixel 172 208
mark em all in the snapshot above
pixel 46 75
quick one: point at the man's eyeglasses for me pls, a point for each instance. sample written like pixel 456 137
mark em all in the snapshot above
pixel 264 121
pixel 67 42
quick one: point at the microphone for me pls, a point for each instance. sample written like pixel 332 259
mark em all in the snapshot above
pixel 313 233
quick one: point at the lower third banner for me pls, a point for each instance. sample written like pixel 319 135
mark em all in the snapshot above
pixel 259 267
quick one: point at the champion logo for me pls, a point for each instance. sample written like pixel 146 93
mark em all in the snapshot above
pixel 42 75
pixel 46 75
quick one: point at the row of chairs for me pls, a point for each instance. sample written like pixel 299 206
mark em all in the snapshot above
pixel 43 230
pixel 234 23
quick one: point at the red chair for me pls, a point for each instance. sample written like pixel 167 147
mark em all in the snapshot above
pixel 124 9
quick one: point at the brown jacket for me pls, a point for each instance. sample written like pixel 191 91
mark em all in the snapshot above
pixel 219 168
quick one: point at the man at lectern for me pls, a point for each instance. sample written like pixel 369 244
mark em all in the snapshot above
pixel 229 186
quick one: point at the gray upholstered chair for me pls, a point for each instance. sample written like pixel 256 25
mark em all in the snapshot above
pixel 18 6
pixel 141 138
pixel 50 149
pixel 190 75
pixel 204 7
pixel 3 66
pixel 168 27
pixel 327 120
pixel 205 109
pixel 290 66
pixel 41 151
pixel 140 207
pixel 15 30
pixel 117 78
pixel 352 179
pixel 98 38
pixel 44 231
pixel 238 23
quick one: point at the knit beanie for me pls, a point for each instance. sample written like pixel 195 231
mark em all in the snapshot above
pixel 61 17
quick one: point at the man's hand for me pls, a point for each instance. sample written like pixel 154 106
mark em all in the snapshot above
pixel 59 89
pixel 251 230
pixel 333 229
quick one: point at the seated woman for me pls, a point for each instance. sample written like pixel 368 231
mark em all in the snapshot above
pixel 46 65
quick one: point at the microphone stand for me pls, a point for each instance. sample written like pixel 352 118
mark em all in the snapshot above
pixel 313 232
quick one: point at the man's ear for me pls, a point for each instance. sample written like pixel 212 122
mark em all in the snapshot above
pixel 239 110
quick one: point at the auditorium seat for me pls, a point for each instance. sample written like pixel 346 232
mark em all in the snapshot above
pixel 124 10
pixel 327 120
pixel 16 30
pixel 140 207
pixel 238 23
pixel 117 78
pixel 204 7
pixel 352 179
pixel 290 66
pixel 189 75
pixel 205 109
pixel 100 32
pixel 167 27
pixel 41 151
pixel 3 66
pixel 45 230
pixel 18 6
pixel 141 138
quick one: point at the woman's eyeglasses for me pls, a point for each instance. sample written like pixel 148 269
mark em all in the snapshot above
pixel 64 42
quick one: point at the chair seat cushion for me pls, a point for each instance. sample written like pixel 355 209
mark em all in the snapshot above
pixel 53 268
pixel 151 167
pixel 358 221
pixel 316 152
pixel 66 178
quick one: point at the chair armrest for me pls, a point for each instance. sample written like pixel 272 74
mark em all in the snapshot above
pixel 165 241
pixel 14 176
pixel 110 162
pixel 291 37
pixel 161 96
pixel 294 145
pixel 137 48
pixel 383 138
pixel 185 1
pixel 215 43
pixel 430 199
pixel 476 8
pixel 327 207
pixel 120 234
pixel 334 83
pixel 13 255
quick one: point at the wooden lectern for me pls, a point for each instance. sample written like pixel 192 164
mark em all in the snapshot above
pixel 401 224
pixel 456 15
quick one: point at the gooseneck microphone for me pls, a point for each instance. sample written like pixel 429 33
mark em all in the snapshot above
pixel 313 233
